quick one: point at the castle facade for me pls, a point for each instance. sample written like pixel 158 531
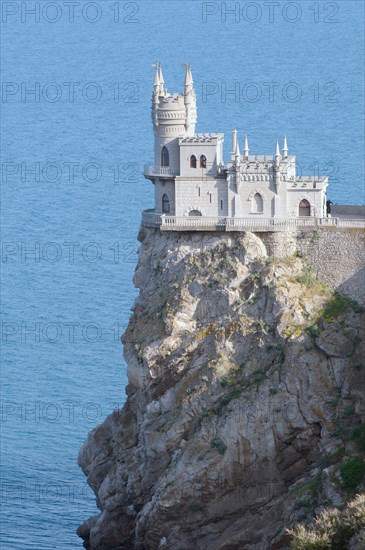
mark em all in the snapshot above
pixel 192 179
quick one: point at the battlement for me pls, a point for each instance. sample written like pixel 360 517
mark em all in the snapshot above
pixel 201 138
pixel 265 158
pixel 171 101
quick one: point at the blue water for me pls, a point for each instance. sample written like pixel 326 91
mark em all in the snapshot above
pixel 58 382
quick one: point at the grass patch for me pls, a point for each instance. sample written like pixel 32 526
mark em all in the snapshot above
pixel 332 529
pixel 333 458
pixel 313 487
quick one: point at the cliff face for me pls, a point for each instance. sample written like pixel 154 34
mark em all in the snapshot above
pixel 246 384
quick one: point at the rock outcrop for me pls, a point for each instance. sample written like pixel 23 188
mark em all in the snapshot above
pixel 246 386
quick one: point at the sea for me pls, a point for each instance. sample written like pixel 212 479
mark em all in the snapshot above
pixel 76 131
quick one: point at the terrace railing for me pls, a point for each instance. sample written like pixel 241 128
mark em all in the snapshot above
pixel 203 223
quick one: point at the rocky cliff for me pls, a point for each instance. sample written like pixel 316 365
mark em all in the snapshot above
pixel 244 405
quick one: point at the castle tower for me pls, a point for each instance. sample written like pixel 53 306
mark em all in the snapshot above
pixel 173 116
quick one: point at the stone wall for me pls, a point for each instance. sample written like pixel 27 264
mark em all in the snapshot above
pixel 189 198
pixel 337 255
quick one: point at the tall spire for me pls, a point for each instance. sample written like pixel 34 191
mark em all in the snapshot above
pixel 157 81
pixel 234 144
pixel 277 150
pixel 245 148
pixel 188 78
pixel 285 148
pixel 162 82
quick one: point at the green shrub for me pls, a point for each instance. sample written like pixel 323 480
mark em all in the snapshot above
pixel 196 507
pixel 356 341
pixel 258 376
pixel 349 410
pixel 358 435
pixel 219 445
pixel 352 473
pixel 313 330
pixel 308 277
pixel 335 306
pixel 357 307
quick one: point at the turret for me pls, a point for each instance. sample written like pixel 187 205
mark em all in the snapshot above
pixel 173 117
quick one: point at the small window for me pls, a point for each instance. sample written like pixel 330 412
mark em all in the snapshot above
pixel 199 191
pixel 165 161
pixel 210 197
pixel 193 161
pixel 165 204
pixel 304 208
pixel 221 204
pixel 257 204
pixel 203 161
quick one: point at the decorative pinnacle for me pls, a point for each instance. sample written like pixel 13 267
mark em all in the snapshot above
pixel 234 141
pixel 245 147
pixel 277 150
pixel 161 76
pixel 188 76
pixel 285 147
pixel 157 81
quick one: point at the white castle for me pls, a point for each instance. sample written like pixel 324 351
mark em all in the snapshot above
pixel 195 187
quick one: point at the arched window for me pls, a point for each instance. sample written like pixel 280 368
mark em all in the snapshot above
pixel 165 204
pixel 165 161
pixel 193 161
pixel 304 208
pixel 257 203
pixel 203 161
pixel 195 213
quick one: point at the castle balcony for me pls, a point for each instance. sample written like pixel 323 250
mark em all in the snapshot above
pixel 204 223
pixel 158 171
